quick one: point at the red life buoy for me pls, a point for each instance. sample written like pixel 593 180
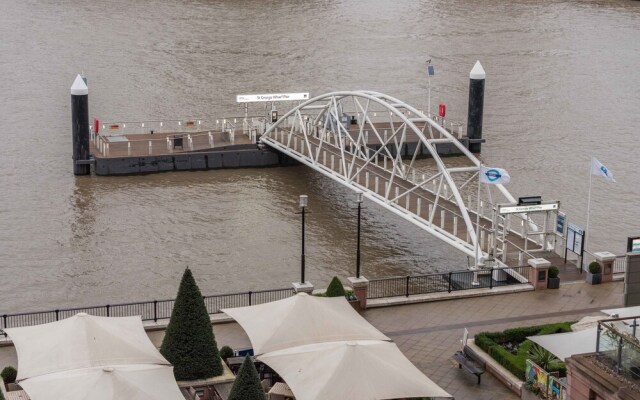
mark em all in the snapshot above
pixel 442 110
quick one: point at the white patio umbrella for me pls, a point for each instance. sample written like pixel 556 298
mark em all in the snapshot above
pixel 125 382
pixel 70 359
pixel 300 320
pixel 356 370
pixel 324 349
pixel 82 341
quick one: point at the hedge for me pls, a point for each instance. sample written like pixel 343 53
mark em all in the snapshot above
pixel 492 344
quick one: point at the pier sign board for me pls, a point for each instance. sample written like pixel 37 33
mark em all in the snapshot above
pixel 256 98
pixel 560 221
pixel 514 209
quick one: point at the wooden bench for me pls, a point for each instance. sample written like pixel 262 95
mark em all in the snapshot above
pixel 467 359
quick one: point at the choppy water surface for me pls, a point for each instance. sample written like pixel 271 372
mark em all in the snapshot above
pixel 562 85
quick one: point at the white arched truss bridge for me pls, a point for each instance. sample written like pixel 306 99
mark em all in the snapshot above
pixel 370 141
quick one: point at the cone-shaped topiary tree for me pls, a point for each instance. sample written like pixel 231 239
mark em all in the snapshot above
pixel 247 385
pixel 189 343
pixel 335 288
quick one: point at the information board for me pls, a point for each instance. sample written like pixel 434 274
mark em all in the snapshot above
pixel 575 238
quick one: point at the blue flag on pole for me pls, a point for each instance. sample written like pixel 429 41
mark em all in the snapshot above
pixel 430 70
pixel 494 176
pixel 598 169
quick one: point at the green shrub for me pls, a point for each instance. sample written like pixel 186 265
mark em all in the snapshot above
pixel 544 358
pixel 553 272
pixel 594 267
pixel 492 344
pixel 226 352
pixel 9 374
pixel 189 343
pixel 247 384
pixel 335 288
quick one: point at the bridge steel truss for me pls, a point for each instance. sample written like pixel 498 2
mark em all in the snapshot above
pixel 366 154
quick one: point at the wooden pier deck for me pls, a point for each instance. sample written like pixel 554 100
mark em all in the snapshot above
pixel 166 143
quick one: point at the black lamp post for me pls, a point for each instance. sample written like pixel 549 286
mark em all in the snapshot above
pixel 303 204
pixel 359 201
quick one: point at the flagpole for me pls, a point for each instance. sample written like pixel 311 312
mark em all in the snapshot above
pixel 586 232
pixel 477 245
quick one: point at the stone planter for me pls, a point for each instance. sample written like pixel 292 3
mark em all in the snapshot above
pixel 355 303
pixel 594 279
pixel 553 283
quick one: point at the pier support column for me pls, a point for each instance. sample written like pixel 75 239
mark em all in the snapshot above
pixel 306 287
pixel 605 259
pixel 476 107
pixel 539 273
pixel 80 126
pixel 360 289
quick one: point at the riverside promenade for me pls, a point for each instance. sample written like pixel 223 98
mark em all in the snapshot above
pixel 430 333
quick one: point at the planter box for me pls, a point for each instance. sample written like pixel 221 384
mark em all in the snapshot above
pixel 594 279
pixel 355 304
pixel 553 283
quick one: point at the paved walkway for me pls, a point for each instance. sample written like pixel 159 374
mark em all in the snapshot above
pixel 429 333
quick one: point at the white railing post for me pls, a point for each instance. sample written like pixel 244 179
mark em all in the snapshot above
pixel 376 184
pixel 150 147
pixel 128 148
pixel 442 219
pixel 419 205
pixel 455 225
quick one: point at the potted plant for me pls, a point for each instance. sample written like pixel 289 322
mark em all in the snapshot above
pixel 554 281
pixel 594 275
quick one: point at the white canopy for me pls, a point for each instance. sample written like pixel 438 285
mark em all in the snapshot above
pixel 301 320
pixel 129 382
pixel 564 345
pixel 82 341
pixel 355 370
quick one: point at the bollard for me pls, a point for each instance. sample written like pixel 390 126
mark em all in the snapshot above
pixel 128 148
pixel 476 105
pixel 150 147
pixel 80 125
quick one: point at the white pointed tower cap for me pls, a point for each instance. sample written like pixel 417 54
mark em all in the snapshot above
pixel 79 88
pixel 477 72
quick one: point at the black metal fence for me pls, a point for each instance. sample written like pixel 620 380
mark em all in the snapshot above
pixel 446 282
pixel 149 310
pixel 382 287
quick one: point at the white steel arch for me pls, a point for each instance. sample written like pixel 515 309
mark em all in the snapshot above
pixel 359 138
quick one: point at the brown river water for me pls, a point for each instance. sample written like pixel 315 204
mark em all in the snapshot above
pixel 562 86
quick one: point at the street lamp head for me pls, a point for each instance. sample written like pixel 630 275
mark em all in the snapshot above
pixel 303 200
pixel 359 196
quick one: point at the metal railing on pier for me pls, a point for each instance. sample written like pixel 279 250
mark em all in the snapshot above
pixel 149 310
pixel 446 282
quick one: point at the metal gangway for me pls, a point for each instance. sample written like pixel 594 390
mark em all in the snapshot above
pixel 369 141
